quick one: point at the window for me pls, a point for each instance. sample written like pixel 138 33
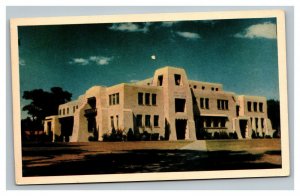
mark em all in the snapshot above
pixel 202 103
pixel 262 123
pixel 179 105
pixel 177 79
pixel 67 110
pixel 206 103
pixel 160 80
pixel 255 106
pixel 112 122
pixel 147 120
pixel 249 106
pixel 223 122
pixel 139 119
pixel 208 122
pixel 147 98
pixel 117 118
pixel 64 111
pixel 261 107
pixel 212 88
pixel 222 104
pixel 256 123
pixel 203 87
pixel 156 120
pixel 140 98
pixel 59 112
pixel 117 98
pixel 73 109
pixel 153 99
pixel 195 87
pixel 217 89
pixel 114 99
pixel 76 106
pixel 110 99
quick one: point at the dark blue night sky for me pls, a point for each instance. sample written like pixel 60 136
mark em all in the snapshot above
pixel 240 53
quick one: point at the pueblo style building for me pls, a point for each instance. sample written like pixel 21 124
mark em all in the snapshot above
pixel 168 104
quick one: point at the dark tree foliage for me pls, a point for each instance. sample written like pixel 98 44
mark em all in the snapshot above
pixel 274 113
pixel 43 103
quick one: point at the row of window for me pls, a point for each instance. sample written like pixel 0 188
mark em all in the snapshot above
pixel 213 122
pixel 114 99
pixel 252 106
pixel 139 120
pixel 66 111
pixel 147 98
pixel 112 122
pixel 177 79
pixel 221 104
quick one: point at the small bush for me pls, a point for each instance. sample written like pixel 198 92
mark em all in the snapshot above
pixel 233 135
pixel 154 136
pixel 203 134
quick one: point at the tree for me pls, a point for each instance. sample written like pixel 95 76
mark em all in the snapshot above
pixel 274 113
pixel 44 104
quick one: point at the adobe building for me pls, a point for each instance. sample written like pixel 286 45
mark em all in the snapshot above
pixel 168 104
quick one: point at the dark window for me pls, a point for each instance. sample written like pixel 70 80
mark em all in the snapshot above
pixel 156 120
pixel 112 122
pixel 147 120
pixel 226 104
pixel 179 105
pixel 177 79
pixel 110 99
pixel 256 123
pixel 195 86
pixel 237 110
pixel 139 120
pixel 223 122
pixel 117 98
pixel 202 103
pixel 255 106
pixel 64 111
pixel 208 122
pixel 117 117
pixel 153 99
pixel 215 123
pixel 219 104
pixel 249 106
pixel 160 80
pixel 67 110
pixel 261 107
pixel 212 88
pixel 206 103
pixel 147 98
pixel 73 109
pixel 140 98
pixel 222 104
pixel 77 107
pixel 59 112
pixel 262 123
pixel 203 87
pixel 217 89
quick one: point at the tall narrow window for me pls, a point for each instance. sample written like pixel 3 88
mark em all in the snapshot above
pixel 206 103
pixel 114 99
pixel 255 106
pixel 64 111
pixel 117 118
pixel 226 104
pixel 156 120
pixel 117 98
pixel 256 123
pixel 202 103
pixel 219 104
pixel 110 99
pixel 139 120
pixel 140 98
pixel 153 99
pixel 249 106
pixel 147 120
pixel 262 123
pixel 147 98
pixel 112 122
pixel 261 107
pixel 177 78
pixel 67 110
pixel 73 109
pixel 160 80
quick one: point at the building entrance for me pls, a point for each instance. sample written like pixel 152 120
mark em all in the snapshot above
pixel 180 129
pixel 243 127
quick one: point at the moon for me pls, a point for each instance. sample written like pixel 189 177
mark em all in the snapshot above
pixel 153 57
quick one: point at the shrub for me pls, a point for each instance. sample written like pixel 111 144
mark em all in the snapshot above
pixel 233 135
pixel 224 135
pixel 130 135
pixel 154 136
pixel 254 135
pixel 203 134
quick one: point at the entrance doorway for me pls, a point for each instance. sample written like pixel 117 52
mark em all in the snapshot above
pixel 243 126
pixel 180 128
pixel 66 128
